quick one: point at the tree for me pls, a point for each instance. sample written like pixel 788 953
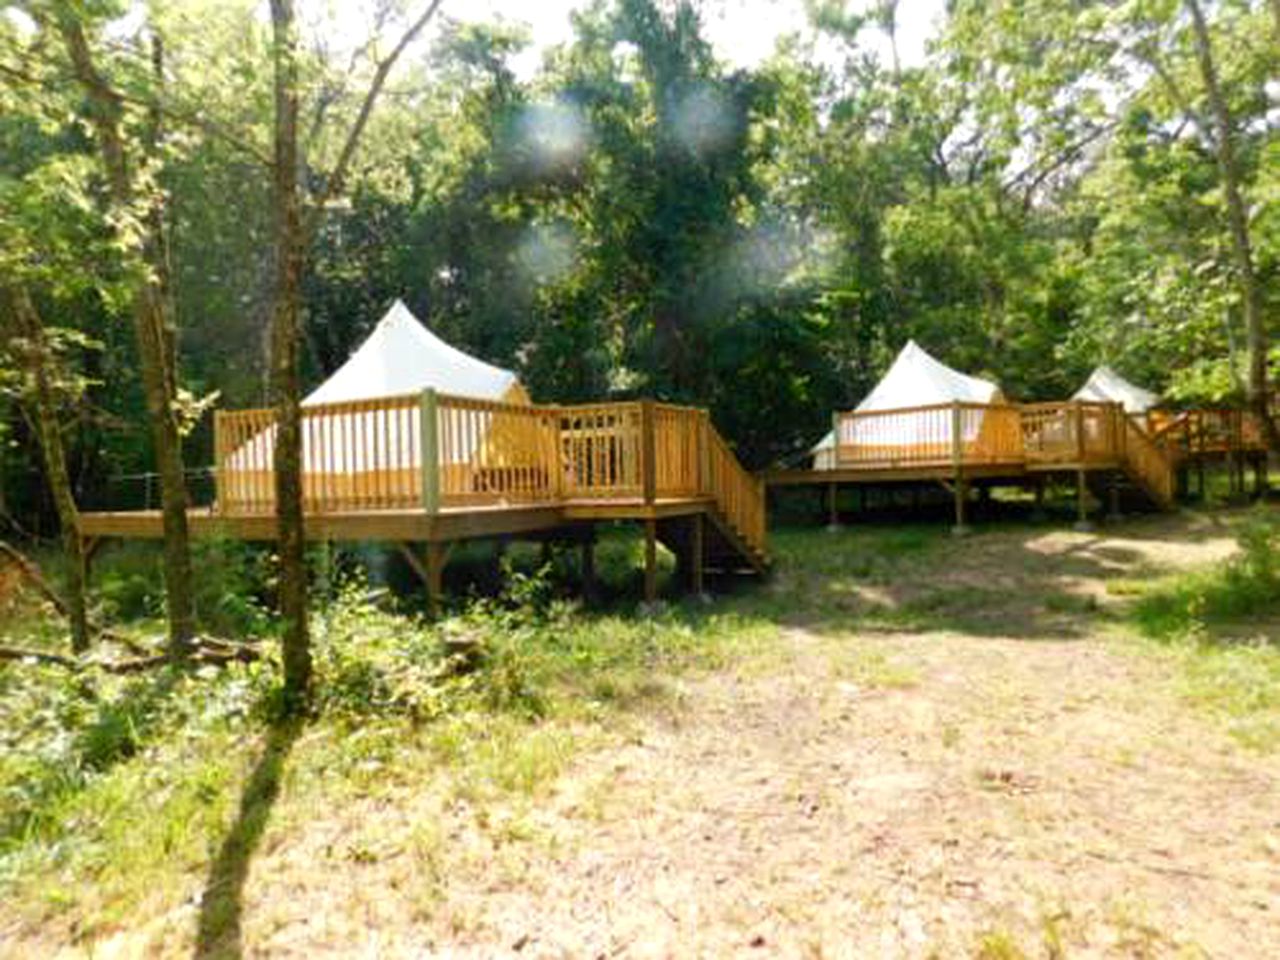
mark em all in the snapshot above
pixel 137 214
pixel 1224 147
pixel 291 231
pixel 31 346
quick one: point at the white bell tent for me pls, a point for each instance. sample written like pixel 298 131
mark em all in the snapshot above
pixel 914 380
pixel 342 442
pixel 1106 386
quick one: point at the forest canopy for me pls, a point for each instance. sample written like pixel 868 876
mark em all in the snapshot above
pixel 1043 192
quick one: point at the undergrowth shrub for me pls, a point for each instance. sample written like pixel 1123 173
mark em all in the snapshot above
pixel 232 583
pixel 1244 588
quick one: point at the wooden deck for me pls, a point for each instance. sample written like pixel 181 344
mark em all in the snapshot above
pixel 1098 444
pixel 404 525
pixel 960 444
pixel 435 469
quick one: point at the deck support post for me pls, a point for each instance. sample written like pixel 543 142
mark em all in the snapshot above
pixel 589 564
pixel 437 554
pixel 696 555
pixel 1082 501
pixel 1038 513
pixel 650 561
pixel 833 512
pixel 1113 496
pixel 961 492
pixel 959 488
pixel 430 570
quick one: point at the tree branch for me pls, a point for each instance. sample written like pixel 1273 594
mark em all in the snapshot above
pixel 337 178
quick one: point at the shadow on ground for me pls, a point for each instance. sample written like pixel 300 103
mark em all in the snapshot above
pixel 218 933
pixel 1021 580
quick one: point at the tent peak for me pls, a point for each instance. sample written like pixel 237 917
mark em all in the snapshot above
pixel 402 356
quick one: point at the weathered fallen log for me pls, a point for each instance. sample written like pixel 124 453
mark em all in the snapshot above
pixel 213 652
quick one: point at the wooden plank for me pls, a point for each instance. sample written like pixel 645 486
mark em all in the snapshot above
pixel 648 452
pixel 428 426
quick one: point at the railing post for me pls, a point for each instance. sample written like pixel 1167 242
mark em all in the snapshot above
pixel 219 455
pixel 429 435
pixel 557 454
pixel 957 467
pixel 648 458
pixel 957 436
pixel 1080 447
pixel 705 485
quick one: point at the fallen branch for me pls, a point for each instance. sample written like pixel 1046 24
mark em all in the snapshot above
pixel 31 573
pixel 43 656
pixel 213 652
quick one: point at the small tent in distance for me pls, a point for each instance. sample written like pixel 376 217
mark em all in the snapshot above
pixel 346 448
pixel 1106 386
pixel 889 425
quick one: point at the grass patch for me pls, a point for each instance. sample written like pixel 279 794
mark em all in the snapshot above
pixel 122 797
pixel 1221 626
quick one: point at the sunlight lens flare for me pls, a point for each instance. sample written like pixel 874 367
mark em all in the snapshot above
pixel 552 136
pixel 547 252
pixel 704 122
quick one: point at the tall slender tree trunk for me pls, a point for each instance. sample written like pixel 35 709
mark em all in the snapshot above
pixel 153 331
pixel 29 324
pixel 285 378
pixel 1258 338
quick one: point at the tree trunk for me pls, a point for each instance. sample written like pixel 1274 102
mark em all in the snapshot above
pixel 285 379
pixel 153 332
pixel 1238 224
pixel 55 463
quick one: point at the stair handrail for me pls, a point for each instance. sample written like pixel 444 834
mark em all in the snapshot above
pixel 738 495
pixel 1148 460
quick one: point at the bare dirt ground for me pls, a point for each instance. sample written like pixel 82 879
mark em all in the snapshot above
pixel 1036 791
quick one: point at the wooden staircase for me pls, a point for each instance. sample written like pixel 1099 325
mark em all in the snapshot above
pixel 1146 466
pixel 732 531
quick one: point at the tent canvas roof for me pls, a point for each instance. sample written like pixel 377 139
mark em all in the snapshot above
pixel 1106 386
pixel 402 356
pixel 916 379
pixel 399 357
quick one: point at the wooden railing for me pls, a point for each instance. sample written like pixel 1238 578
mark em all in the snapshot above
pixel 937 434
pixel 1205 430
pixel 1146 461
pixel 434 451
pixel 739 495
pixel 1072 435
pixel 1077 432
pixel 489 452
pixel 601 450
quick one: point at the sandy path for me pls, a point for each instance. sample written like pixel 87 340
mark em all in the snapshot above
pixel 1050 792
pixel 1054 794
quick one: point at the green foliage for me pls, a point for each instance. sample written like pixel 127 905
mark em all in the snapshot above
pixel 1221 627
pixel 1222 601
pixel 1035 197
pixel 126 778
pixel 230 593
